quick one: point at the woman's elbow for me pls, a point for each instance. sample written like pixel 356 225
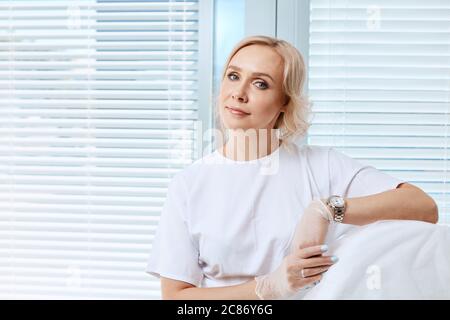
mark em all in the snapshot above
pixel 432 214
pixel 435 213
pixel 429 211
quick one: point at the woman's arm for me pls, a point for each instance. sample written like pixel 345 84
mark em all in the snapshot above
pixel 407 202
pixel 302 267
pixel 178 290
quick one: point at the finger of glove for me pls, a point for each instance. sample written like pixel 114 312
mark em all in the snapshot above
pixel 316 262
pixel 312 251
pixel 305 282
pixel 309 272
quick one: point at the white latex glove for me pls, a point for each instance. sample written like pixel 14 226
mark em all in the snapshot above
pixel 313 226
pixel 288 278
pixel 305 253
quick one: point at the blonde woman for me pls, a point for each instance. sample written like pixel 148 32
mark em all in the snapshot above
pixel 254 219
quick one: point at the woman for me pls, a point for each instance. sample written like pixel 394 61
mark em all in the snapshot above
pixel 251 220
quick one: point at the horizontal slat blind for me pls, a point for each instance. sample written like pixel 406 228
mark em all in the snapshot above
pixel 379 78
pixel 98 104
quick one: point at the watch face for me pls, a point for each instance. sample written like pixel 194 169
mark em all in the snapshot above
pixel 337 201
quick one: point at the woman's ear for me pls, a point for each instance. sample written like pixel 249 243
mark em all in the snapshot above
pixel 286 100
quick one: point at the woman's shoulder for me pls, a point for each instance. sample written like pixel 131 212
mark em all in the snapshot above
pixel 313 151
pixel 316 158
pixel 195 167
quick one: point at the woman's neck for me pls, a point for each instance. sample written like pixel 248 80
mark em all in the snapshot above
pixel 242 146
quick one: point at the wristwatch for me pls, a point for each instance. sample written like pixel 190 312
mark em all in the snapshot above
pixel 337 206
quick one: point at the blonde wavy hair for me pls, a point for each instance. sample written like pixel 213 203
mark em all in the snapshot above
pixel 294 122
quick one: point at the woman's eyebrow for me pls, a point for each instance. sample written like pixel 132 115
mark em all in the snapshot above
pixel 254 73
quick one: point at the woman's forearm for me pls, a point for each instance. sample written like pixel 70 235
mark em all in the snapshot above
pixel 404 203
pixel 245 291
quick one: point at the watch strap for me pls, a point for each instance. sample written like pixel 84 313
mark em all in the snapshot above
pixel 338 212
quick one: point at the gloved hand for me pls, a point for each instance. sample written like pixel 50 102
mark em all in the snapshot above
pixel 298 270
pixel 313 226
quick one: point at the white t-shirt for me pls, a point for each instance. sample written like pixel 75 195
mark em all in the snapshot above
pixel 225 222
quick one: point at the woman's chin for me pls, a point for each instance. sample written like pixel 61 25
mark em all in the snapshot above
pixel 236 127
pixel 236 124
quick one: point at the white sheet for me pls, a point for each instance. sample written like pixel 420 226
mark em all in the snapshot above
pixel 388 259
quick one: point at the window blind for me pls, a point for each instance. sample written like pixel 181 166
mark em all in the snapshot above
pixel 379 78
pixel 98 104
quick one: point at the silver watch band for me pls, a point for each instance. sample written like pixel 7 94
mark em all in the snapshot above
pixel 338 215
pixel 338 212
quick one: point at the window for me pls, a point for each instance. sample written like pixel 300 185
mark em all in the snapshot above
pixel 98 105
pixel 228 31
pixel 379 77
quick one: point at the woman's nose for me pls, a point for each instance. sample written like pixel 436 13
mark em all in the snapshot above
pixel 240 96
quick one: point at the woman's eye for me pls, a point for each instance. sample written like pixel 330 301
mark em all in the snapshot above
pixel 260 84
pixel 264 85
pixel 231 75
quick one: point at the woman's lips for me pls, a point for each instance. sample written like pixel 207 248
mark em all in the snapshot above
pixel 237 112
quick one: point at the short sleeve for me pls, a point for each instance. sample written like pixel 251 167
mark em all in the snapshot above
pixel 173 253
pixel 351 178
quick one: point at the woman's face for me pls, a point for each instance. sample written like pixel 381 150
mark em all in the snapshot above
pixel 253 83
